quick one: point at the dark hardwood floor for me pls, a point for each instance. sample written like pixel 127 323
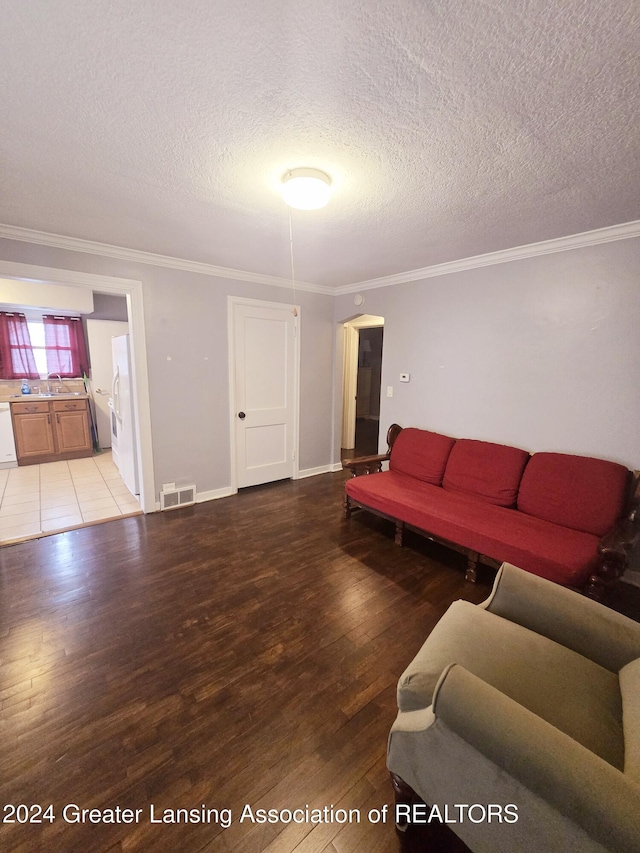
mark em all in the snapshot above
pixel 242 652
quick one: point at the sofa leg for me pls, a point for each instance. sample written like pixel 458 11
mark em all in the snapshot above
pixel 404 796
pixel 399 537
pixel 605 576
pixel 346 507
pixel 472 568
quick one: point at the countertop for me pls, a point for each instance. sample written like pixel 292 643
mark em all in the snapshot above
pixel 31 398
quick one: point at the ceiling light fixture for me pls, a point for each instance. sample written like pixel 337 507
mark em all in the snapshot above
pixel 306 189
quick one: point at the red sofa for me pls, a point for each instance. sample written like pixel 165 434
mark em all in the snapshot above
pixel 571 519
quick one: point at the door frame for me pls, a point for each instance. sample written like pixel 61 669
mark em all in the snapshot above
pixel 132 289
pixel 351 332
pixel 232 301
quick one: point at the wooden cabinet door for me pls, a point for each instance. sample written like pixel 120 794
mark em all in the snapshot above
pixel 72 429
pixel 34 435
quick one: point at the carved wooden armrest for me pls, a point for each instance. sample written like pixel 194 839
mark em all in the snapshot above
pixel 372 464
pixel 617 544
pixel 365 464
pixel 615 547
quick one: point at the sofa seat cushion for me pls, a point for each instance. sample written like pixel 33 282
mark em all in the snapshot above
pixel 574 491
pixel 421 454
pixel 490 472
pixel 574 694
pixel 560 554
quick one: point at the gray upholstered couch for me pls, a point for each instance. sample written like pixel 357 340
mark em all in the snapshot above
pixel 530 699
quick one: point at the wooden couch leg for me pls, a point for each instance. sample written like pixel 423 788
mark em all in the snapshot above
pixel 399 537
pixel 346 507
pixel 404 796
pixel 472 567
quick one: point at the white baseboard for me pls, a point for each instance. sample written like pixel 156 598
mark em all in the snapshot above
pixel 321 469
pixel 214 494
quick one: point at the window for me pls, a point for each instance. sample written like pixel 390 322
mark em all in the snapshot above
pixel 36 333
pixel 64 345
pixel 32 348
pixel 16 355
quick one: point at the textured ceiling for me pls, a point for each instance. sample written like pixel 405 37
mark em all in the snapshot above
pixel 450 128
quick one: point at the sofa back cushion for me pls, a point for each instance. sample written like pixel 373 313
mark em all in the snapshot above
pixel 421 454
pixel 630 690
pixel 574 491
pixel 490 472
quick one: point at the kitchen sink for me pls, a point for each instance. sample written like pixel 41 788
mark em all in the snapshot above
pixel 63 396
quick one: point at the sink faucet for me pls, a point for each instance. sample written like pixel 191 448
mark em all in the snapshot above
pixel 49 375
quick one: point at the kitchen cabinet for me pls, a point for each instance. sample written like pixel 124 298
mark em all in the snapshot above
pixel 48 430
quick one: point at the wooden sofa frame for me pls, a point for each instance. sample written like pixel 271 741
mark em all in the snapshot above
pixel 613 549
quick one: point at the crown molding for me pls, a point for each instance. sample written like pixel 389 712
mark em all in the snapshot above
pixel 546 247
pixel 560 244
pixel 75 244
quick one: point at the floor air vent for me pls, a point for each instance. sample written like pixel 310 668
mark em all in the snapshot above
pixel 176 498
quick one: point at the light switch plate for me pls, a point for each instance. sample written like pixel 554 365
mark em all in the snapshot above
pixel 389 390
pixel 405 377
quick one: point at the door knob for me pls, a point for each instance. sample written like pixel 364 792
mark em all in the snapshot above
pixel 241 415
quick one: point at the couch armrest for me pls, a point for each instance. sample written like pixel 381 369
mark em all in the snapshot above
pixel 573 780
pixel 619 541
pixel 615 547
pixel 365 464
pixel 562 615
pixel 371 464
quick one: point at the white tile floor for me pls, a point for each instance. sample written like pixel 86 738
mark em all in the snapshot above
pixel 56 496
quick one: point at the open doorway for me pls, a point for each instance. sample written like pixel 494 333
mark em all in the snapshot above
pixel 362 379
pixel 63 467
pixel 14 274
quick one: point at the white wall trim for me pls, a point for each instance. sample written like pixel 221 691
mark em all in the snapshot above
pixel 560 244
pixel 74 244
pixel 518 253
pixel 313 472
pixel 203 497
pixel 132 290
pixel 213 494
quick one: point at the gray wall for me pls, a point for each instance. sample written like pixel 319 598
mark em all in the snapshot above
pixel 542 353
pixel 186 320
pixel 108 306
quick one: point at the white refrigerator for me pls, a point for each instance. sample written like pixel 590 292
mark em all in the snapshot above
pixel 123 425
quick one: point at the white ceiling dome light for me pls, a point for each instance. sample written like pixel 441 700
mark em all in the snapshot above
pixel 306 189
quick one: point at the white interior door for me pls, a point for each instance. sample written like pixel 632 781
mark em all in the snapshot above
pixel 99 334
pixel 265 363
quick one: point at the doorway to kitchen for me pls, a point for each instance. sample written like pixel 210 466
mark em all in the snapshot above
pixel 131 289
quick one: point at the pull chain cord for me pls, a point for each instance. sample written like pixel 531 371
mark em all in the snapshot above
pixel 293 272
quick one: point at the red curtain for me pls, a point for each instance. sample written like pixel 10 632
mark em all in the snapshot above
pixel 16 355
pixel 65 345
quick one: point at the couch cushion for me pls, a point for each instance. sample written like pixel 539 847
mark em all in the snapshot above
pixel 564 688
pixel 630 690
pixel 575 491
pixel 489 472
pixel 558 553
pixel 421 454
